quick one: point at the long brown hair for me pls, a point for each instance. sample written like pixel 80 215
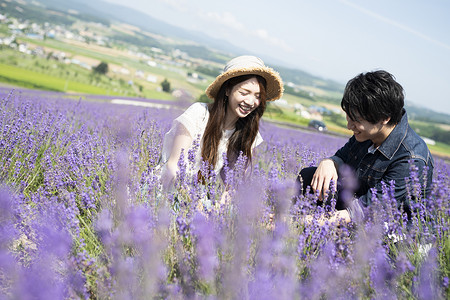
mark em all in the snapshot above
pixel 246 128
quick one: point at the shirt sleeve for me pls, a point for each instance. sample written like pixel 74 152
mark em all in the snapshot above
pixel 258 140
pixel 394 176
pixel 194 118
pixel 190 122
pixel 341 155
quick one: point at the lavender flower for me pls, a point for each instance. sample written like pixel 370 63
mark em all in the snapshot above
pixel 84 215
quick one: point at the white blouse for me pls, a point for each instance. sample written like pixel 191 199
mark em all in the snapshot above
pixel 193 122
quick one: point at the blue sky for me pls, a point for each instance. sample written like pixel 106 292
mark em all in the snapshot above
pixel 335 39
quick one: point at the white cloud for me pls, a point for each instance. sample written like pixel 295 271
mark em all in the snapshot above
pixel 179 5
pixel 225 18
pixel 229 20
pixel 396 24
pixel 262 34
pixel 265 36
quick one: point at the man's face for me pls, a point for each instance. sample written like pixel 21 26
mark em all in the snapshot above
pixel 364 130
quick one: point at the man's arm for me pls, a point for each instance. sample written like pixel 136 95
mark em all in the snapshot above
pixel 326 171
pixel 398 173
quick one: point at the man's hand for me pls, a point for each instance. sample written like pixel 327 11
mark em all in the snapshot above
pixel 326 171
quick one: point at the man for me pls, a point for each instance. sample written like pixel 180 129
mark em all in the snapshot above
pixel 382 148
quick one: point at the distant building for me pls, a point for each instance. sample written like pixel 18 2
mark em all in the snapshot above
pixel 177 93
pixel 428 141
pixel 304 114
pixel 152 78
pixel 124 71
pixel 139 74
pixel 35 36
pixel 156 50
pixel 316 116
pixel 282 102
pixel 151 63
pixel 23 48
pixel 298 106
pixel 290 84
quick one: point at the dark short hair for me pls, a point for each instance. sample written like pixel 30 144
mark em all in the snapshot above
pixel 374 96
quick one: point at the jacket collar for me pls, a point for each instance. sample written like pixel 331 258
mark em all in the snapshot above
pixel 390 146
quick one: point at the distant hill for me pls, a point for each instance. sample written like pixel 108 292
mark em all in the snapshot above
pixel 420 113
pixel 304 78
pixel 195 44
pixel 35 12
pixel 110 11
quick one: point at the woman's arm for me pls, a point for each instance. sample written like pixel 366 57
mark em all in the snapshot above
pixel 182 141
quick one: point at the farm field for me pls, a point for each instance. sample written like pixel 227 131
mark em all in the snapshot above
pixel 31 79
pixel 119 59
pixel 83 215
pixel 31 72
pixel 60 76
pixel 40 73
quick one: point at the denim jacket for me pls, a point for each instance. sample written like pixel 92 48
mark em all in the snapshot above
pixel 390 161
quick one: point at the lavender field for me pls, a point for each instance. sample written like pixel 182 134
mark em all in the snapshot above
pixel 83 216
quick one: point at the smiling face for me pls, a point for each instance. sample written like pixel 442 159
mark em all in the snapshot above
pixel 364 130
pixel 243 98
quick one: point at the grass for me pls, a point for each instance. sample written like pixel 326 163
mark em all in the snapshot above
pixel 176 75
pixel 291 118
pixel 31 79
pixel 440 149
pixel 47 74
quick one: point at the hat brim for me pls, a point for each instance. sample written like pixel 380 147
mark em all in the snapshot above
pixel 274 84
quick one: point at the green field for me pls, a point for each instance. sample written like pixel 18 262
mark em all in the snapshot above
pixel 176 75
pixel 49 74
pixel 35 80
pixel 440 149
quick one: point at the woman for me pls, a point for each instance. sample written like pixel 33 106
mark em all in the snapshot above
pixel 230 124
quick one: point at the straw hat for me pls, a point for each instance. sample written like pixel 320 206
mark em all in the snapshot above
pixel 246 64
